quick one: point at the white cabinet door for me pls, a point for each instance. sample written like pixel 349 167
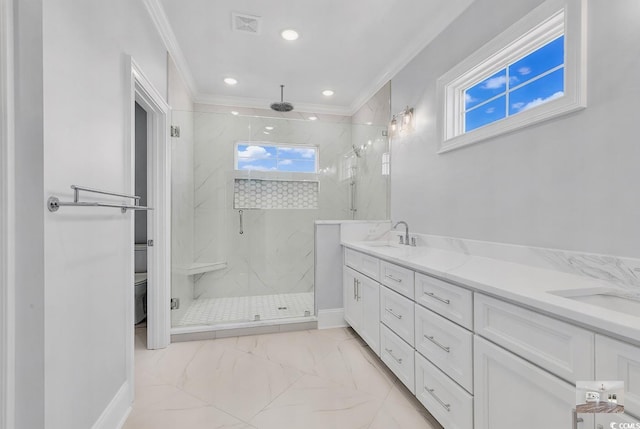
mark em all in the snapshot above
pixel 617 360
pixel 368 292
pixel 512 393
pixel 362 306
pixel 352 306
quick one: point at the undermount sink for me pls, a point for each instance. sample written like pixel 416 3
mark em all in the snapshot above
pixel 612 299
pixel 379 244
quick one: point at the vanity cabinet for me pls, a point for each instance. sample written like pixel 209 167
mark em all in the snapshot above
pixel 362 306
pixel 476 361
pixel 513 393
pixel 617 360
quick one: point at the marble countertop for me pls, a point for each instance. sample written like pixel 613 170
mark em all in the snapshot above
pixel 525 285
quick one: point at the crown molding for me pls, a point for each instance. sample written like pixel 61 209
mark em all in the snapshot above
pixel 407 54
pixel 160 20
pixel 261 103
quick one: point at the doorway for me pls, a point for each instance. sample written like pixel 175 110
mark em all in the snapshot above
pixel 140 219
pixel 158 197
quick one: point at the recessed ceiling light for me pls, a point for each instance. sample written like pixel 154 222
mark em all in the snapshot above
pixel 266 132
pixel 230 81
pixel 289 35
pixel 327 93
pixel 268 128
pixel 234 113
pixel 313 118
pixel 368 123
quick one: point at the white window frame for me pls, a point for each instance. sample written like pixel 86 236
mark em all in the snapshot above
pixel 276 145
pixel 542 25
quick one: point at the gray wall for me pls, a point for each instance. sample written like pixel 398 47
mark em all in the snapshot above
pixel 569 183
pixel 328 266
pixel 141 174
pixel 29 219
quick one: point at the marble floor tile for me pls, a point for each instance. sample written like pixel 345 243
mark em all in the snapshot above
pixel 295 380
pixel 198 418
pixel 165 397
pixel 316 403
pixel 302 350
pixel 237 382
pixel 357 367
pixel 401 410
pixel 338 333
pixel 169 367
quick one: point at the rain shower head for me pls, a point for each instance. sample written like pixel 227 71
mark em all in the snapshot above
pixel 282 106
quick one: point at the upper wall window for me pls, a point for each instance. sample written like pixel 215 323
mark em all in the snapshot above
pixel 533 80
pixel 533 71
pixel 275 157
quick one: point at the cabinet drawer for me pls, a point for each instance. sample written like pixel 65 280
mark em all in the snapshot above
pixel 398 355
pixel 560 348
pixel 445 400
pixel 453 302
pixel 446 345
pixel 396 312
pixel 366 264
pixel 397 278
pixel 616 360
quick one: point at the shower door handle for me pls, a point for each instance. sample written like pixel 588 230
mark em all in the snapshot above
pixel 241 227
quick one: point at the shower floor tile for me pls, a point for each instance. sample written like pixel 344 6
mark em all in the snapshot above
pixel 210 311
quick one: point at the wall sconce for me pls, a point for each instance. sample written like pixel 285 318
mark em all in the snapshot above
pixel 402 122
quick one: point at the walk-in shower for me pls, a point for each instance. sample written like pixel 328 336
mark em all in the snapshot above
pixel 246 191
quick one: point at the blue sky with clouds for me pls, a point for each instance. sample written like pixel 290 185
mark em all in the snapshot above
pixel 532 81
pixel 264 157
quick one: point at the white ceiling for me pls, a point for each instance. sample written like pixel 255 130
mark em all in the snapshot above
pixel 351 46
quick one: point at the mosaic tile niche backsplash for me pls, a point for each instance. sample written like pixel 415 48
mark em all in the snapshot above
pixel 275 194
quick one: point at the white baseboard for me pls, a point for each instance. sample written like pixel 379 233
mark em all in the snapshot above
pixel 116 413
pixel 331 318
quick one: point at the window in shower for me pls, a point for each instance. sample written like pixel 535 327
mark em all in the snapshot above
pixel 276 157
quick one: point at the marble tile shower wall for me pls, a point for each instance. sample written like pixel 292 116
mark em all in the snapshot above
pixel 368 123
pixel 275 252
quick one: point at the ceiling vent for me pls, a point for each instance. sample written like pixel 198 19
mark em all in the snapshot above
pixel 246 23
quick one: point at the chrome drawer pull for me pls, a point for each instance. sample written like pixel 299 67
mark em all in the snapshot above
pixel 390 277
pixel 355 294
pixel 446 349
pixel 399 360
pixel 434 296
pixel 399 316
pixel 432 392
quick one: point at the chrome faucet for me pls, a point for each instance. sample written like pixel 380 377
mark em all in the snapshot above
pixel 406 232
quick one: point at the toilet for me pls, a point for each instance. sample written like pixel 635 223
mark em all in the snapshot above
pixel 140 283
